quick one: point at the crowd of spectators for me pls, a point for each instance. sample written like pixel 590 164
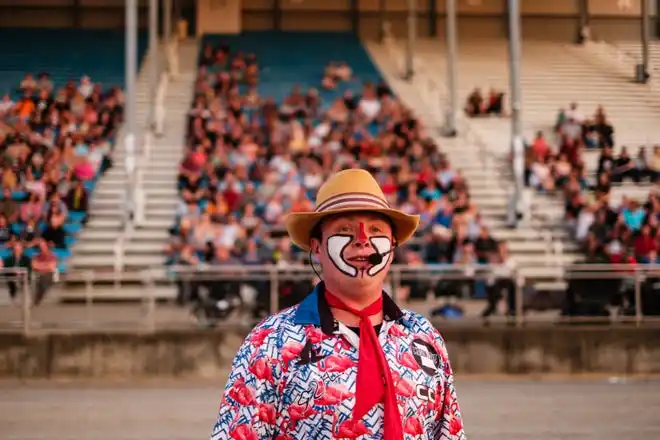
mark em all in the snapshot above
pixel 54 143
pixel 250 161
pixel 610 230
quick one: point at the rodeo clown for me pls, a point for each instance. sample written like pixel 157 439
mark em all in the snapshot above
pixel 346 363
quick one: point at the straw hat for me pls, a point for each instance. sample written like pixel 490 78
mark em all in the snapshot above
pixel 349 191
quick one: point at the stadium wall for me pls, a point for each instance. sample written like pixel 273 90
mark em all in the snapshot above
pixel 547 350
pixel 555 20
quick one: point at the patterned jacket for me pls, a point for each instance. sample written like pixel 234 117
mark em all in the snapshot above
pixel 294 378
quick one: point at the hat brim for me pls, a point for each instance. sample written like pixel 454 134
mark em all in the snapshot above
pixel 299 225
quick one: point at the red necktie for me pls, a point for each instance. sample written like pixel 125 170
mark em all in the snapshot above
pixel 374 379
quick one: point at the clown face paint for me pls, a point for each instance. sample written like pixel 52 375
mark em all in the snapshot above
pixel 337 244
pixel 381 245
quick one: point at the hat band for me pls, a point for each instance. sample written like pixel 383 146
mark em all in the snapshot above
pixel 352 200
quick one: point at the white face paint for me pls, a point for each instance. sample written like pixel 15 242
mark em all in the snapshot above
pixel 336 245
pixel 381 245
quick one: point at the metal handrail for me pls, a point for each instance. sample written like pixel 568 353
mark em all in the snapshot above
pixel 430 273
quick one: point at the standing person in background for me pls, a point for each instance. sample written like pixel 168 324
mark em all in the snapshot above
pixel 44 267
pixel 346 362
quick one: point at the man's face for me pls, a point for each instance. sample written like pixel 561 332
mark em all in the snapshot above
pixel 347 241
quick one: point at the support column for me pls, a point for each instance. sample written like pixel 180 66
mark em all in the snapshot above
pixel 155 59
pixel 451 47
pixel 277 15
pixel 517 145
pixel 433 18
pixel 355 16
pixel 583 20
pixel 642 71
pixel 167 20
pixel 130 101
pixel 382 8
pixel 657 18
pixel 412 34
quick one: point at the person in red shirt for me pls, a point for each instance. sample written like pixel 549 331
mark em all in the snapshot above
pixel 645 244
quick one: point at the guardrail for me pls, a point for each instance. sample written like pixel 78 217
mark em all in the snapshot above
pixel 268 282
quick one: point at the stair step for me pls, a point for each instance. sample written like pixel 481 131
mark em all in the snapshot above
pixel 138 235
pixel 130 248
pixel 108 261
pixel 546 259
pixel 116 203
pixel 120 192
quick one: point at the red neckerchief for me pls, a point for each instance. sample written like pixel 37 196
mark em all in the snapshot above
pixel 374 378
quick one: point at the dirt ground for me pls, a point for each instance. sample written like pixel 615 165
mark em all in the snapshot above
pixel 598 409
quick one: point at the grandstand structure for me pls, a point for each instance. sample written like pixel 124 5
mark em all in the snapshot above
pixel 574 74
pixel 555 72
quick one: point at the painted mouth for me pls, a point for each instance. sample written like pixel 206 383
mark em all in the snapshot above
pixel 360 262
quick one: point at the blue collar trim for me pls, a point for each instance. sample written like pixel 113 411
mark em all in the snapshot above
pixel 308 309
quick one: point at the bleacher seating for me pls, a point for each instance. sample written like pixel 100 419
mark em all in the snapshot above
pixel 298 58
pixel 65 55
pixel 287 61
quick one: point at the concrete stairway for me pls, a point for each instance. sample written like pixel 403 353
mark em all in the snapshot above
pixel 539 246
pixel 141 247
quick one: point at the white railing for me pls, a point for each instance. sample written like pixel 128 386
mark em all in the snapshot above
pixel 159 106
pixel 118 250
pixel 139 197
pixel 270 277
pixel 173 56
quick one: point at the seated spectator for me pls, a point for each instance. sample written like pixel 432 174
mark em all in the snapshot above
pixel 624 168
pixel 77 199
pixel 33 209
pixel 654 165
pixel 632 214
pixel 540 149
pixel 54 233
pixel 645 245
pixel 475 103
pixel 485 246
pixel 495 104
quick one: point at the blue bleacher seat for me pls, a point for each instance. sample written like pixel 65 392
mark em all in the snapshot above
pixel 299 58
pixel 72 228
pixel 66 54
pixel 76 216
pixel 62 254
pixel 4 252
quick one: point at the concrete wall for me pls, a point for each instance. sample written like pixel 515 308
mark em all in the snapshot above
pixel 207 354
pixel 555 20
pixel 218 17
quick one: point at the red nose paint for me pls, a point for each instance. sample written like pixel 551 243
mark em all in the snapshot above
pixel 362 233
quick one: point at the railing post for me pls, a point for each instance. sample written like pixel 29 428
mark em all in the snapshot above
pixel 520 284
pixel 89 294
pixel 638 299
pixel 151 302
pixel 26 302
pixel 274 290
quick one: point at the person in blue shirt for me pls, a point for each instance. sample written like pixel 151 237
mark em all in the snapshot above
pixel 346 362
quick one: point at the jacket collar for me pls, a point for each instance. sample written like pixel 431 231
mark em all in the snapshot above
pixel 314 310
